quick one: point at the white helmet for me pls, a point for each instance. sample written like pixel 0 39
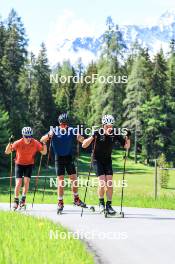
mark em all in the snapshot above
pixel 108 120
pixel 27 131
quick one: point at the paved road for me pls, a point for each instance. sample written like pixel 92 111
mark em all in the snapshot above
pixel 144 236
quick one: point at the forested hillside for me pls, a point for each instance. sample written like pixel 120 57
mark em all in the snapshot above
pixel 145 103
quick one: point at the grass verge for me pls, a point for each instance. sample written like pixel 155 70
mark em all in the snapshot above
pixel 25 239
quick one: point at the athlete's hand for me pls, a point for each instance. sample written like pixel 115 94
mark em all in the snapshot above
pixel 11 139
pixel 46 137
pixel 127 143
pixel 80 138
pixel 95 133
pixel 50 134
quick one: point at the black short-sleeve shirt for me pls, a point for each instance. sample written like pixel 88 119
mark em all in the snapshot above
pixel 104 144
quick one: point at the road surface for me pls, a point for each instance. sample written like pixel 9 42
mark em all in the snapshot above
pixel 143 236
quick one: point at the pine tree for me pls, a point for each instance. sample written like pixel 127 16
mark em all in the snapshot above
pixel 64 90
pixel 107 96
pixel 14 57
pixel 155 112
pixel 82 97
pixel 24 86
pixel 153 121
pixel 2 77
pixel 137 93
pixel 171 101
pixel 171 69
pixel 41 103
pixel 5 133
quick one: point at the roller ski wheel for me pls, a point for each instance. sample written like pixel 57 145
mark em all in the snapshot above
pixel 60 207
pixel 105 213
pixel 22 204
pixel 15 204
pixel 92 209
pixel 59 211
pixel 122 214
pixel 102 208
pixel 15 208
pixel 22 207
pixel 109 211
pixel 78 202
pixel 116 215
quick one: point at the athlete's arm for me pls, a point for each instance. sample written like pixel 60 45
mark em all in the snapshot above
pixel 44 150
pixel 127 140
pixel 11 146
pixel 46 137
pixel 87 142
pixel 80 138
pixel 127 143
pixel 8 149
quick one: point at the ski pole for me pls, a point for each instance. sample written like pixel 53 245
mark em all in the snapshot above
pixel 36 181
pixel 11 171
pixel 91 165
pixel 123 178
pixel 47 167
pixel 11 168
pixel 78 154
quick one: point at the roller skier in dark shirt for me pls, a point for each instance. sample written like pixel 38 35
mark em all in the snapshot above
pixel 104 140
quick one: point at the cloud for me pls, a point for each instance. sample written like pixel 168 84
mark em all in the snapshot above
pixel 68 27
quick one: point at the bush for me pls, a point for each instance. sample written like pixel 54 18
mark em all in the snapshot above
pixel 164 174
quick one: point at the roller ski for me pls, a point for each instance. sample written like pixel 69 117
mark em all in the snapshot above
pixel 60 207
pixel 78 202
pixel 22 204
pixel 110 212
pixel 15 204
pixel 102 206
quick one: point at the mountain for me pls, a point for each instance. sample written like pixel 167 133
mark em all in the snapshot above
pixel 153 37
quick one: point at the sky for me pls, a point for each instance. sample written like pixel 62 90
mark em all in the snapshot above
pixel 52 21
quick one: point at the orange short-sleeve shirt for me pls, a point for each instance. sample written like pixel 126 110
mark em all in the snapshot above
pixel 25 153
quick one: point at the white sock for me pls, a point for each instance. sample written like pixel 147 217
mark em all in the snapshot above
pixel 60 198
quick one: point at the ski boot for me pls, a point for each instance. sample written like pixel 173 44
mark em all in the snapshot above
pixel 60 207
pixel 15 204
pixel 78 202
pixel 22 203
pixel 109 210
pixel 101 205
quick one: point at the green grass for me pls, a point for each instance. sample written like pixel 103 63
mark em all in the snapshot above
pixel 138 193
pixel 25 239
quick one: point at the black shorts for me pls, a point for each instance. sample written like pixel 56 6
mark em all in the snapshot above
pixel 23 170
pixel 103 167
pixel 63 163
